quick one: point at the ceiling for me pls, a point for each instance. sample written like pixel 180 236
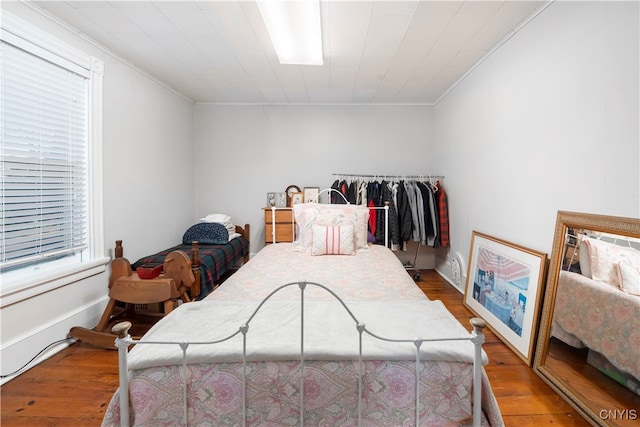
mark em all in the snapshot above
pixel 375 52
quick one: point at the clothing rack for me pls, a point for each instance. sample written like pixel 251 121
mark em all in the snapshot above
pixel 432 179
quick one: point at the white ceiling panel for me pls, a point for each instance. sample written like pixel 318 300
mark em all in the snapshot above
pixel 149 20
pixel 191 22
pixel 219 51
pixel 385 34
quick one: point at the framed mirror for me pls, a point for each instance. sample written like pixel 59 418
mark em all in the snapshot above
pixel 588 347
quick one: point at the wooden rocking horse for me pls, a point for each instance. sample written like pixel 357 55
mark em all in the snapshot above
pixel 126 289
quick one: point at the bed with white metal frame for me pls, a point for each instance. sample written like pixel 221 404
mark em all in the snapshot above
pixel 420 333
pixel 476 336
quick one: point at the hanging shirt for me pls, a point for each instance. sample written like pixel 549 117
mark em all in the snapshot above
pixel 334 196
pixel 373 195
pixel 429 235
pixel 443 214
pixel 362 194
pixel 420 200
pixel 394 231
pixel 410 188
pixel 404 215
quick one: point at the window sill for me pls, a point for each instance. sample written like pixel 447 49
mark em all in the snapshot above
pixel 44 283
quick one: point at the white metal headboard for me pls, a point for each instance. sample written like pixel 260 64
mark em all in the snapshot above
pixel 330 190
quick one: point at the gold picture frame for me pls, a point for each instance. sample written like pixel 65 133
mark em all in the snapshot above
pixel 594 393
pixel 296 198
pixel 504 287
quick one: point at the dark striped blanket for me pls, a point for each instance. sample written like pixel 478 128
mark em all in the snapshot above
pixel 215 260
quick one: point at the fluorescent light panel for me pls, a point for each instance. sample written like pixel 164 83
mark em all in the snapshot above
pixel 294 28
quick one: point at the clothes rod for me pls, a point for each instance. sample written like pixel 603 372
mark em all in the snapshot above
pixel 389 176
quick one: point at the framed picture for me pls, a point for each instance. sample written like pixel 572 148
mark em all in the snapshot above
pixel 296 198
pixel 311 194
pixel 504 287
pixel 271 199
pixel 281 199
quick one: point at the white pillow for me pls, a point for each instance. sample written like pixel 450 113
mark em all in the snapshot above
pixel 332 240
pixel 603 255
pixel 585 259
pixel 628 273
pixel 308 214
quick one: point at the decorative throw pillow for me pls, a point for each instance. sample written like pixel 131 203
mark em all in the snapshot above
pixel 307 214
pixel 332 240
pixel 628 272
pixel 206 233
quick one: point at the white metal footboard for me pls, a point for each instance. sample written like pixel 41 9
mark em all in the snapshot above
pixel 124 340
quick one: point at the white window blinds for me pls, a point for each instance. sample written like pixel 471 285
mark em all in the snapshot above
pixel 44 148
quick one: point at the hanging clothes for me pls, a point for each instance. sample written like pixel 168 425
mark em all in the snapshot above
pixel 430 215
pixel 352 192
pixel 334 197
pixel 443 214
pixel 341 186
pixel 405 222
pixel 420 205
pixel 373 196
pixel 361 198
pixel 386 195
pixel 418 209
pixel 410 189
pixel 393 188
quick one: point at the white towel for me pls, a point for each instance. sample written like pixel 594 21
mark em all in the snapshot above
pixel 220 218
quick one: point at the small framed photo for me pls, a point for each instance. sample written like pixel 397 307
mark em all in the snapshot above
pixel 271 199
pixel 296 198
pixel 311 194
pixel 281 199
pixel 504 287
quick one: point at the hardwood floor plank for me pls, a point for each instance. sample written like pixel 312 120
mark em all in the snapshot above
pixel 564 419
pixel 74 387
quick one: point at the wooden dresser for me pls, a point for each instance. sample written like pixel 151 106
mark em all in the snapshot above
pixel 281 221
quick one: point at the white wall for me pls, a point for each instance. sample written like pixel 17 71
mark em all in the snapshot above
pixel 148 194
pixel 243 152
pixel 548 122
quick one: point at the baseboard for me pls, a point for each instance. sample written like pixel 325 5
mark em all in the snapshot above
pixel 448 279
pixel 18 352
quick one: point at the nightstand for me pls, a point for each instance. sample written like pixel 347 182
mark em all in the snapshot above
pixel 279 225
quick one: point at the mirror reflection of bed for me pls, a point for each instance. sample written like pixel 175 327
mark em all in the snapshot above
pixel 589 347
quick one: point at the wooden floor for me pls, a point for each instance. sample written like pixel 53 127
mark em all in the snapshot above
pixel 73 388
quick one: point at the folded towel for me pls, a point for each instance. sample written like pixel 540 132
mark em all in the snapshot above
pixel 221 218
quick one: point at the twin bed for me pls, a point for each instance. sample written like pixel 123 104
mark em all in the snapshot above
pixel 299 335
pixel 213 258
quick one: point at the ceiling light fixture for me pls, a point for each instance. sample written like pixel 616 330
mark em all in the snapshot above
pixel 294 28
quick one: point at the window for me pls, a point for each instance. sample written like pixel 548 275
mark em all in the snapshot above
pixel 50 118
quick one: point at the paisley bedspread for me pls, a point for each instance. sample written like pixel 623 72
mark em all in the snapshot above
pixel 602 317
pixel 330 387
pixel 215 390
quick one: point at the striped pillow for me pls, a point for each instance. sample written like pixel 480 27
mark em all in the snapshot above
pixel 332 240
